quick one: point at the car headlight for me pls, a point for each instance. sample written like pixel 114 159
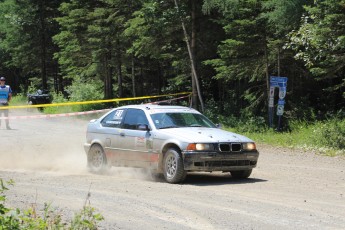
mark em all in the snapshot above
pixel 199 147
pixel 249 146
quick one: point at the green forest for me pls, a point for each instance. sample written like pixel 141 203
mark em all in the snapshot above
pixel 223 51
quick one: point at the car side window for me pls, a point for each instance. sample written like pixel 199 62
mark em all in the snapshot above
pixel 113 119
pixel 134 118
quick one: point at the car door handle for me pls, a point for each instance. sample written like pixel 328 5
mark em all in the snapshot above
pixel 122 134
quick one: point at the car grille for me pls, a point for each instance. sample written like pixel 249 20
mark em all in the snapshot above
pixel 230 147
pixel 225 163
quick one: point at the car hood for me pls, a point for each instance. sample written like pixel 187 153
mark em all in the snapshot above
pixel 206 135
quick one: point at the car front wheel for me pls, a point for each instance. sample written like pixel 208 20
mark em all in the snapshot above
pixel 97 160
pixel 241 174
pixel 173 167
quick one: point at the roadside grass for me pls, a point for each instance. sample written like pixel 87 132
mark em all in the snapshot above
pixel 324 137
pixel 48 218
pixel 19 99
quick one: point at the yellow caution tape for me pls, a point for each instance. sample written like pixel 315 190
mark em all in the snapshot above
pixel 90 102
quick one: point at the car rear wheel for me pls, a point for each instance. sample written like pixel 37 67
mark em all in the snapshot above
pixel 97 160
pixel 241 174
pixel 173 167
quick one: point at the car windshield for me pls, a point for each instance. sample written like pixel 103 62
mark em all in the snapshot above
pixel 179 120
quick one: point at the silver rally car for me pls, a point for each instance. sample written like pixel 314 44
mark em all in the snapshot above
pixel 168 140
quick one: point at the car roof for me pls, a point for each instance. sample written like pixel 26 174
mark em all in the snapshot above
pixel 154 108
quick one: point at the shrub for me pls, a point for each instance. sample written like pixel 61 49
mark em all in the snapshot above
pixel 331 133
pixel 28 219
pixel 8 219
pixel 58 98
pixel 82 90
pixel 18 99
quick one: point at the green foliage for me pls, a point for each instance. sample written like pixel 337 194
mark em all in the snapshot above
pixel 319 43
pixel 29 219
pixel 86 219
pixel 8 220
pixel 240 66
pixel 283 15
pixel 130 47
pixel 79 91
pixel 325 137
pixel 19 99
pixel 75 52
pixel 82 90
pixel 331 133
pixel 26 28
pixel 59 98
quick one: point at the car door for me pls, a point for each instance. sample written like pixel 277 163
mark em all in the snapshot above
pixel 111 127
pixel 134 142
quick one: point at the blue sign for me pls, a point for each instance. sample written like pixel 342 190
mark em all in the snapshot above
pixel 281 102
pixel 281 83
pixel 278 81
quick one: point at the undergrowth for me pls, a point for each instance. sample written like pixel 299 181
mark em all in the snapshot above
pixel 30 219
pixel 326 137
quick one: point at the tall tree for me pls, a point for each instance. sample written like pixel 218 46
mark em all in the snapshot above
pixel 252 49
pixel 91 43
pixel 241 62
pixel 27 28
pixel 156 38
pixel 320 44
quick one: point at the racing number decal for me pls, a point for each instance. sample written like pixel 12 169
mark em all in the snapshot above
pixel 118 114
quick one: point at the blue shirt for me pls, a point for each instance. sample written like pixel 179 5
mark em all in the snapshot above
pixel 4 92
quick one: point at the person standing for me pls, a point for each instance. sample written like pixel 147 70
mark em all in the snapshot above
pixel 5 98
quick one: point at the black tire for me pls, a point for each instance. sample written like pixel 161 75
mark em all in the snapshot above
pixel 173 167
pixel 97 160
pixel 241 174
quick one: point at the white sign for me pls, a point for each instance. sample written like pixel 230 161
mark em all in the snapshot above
pixel 280 110
pixel 271 102
pixel 282 92
pixel 271 91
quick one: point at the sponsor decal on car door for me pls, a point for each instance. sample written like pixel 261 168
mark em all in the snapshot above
pixel 135 142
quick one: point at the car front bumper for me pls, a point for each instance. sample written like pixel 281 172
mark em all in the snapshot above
pixel 216 161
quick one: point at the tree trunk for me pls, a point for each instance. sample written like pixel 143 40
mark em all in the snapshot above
pixel 43 44
pixel 109 74
pixel 270 115
pixel 119 72
pixel 133 78
pixel 194 74
pixel 192 46
pixel 160 76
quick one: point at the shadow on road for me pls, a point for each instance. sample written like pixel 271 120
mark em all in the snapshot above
pixel 203 179
pixel 206 179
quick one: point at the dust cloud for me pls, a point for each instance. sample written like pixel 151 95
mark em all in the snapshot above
pixel 43 144
pixel 45 156
pixel 50 145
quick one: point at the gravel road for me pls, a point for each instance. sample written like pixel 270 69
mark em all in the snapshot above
pixel 290 189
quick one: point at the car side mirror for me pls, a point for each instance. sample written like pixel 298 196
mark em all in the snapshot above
pixel 143 127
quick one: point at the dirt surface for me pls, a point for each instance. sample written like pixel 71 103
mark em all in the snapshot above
pixel 290 189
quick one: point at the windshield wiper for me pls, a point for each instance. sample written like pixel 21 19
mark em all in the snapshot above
pixel 169 127
pixel 195 125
